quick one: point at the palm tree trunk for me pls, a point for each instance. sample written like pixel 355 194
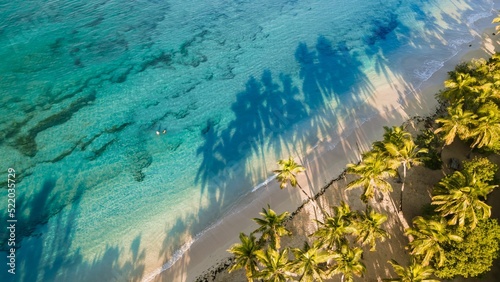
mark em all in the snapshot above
pixel 312 200
pixel 304 191
pixel 402 188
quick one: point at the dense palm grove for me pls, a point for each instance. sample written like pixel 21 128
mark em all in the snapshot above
pixel 455 237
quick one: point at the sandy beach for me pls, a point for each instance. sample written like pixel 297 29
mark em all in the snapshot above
pixel 396 102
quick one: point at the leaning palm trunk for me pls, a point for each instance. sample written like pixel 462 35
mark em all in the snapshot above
pixel 316 205
pixel 402 188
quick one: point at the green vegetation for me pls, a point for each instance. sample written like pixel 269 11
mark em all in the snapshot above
pixel 272 226
pixel 475 254
pixel 413 273
pixel 482 168
pixel 430 141
pixel 459 197
pixel 373 170
pixel 348 262
pixel 309 262
pixel 245 255
pixel 430 239
pixel 454 236
pixel 473 96
pixel 287 173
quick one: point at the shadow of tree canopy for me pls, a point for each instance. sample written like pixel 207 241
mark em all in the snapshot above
pixel 331 80
pixel 263 111
pixel 39 257
pixel 331 73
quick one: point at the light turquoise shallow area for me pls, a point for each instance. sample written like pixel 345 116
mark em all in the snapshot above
pixel 86 85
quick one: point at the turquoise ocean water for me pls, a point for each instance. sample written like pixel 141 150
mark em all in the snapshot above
pixel 86 86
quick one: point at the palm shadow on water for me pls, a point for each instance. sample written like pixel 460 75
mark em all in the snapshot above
pixel 271 113
pixel 44 257
pixel 330 73
pixel 267 114
pixel 263 111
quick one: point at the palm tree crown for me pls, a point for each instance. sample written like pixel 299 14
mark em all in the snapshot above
pixel 460 196
pixel 407 153
pixel 348 263
pixel 333 230
pixel 368 228
pixel 430 237
pixel 308 262
pixel 288 172
pixel 271 225
pixel 457 123
pixel 413 273
pixel 275 265
pixel 245 253
pixel 487 131
pixel 373 169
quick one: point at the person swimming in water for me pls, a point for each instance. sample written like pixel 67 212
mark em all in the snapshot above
pixel 163 131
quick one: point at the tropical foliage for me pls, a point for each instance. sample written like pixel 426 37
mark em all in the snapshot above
pixel 482 168
pixel 275 265
pixel 348 263
pixel 431 236
pixel 245 254
pixel 457 238
pixel 368 228
pixel 333 230
pixel 415 272
pixel 408 154
pixel 287 173
pixel 473 93
pixel 475 254
pixel 373 170
pixel 272 227
pixel 460 198
pixel 309 262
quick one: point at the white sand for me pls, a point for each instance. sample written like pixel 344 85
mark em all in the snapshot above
pixel 323 164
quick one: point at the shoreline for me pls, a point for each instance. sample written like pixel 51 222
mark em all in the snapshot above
pixel 207 256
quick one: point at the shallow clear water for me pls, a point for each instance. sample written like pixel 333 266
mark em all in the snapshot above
pixel 85 86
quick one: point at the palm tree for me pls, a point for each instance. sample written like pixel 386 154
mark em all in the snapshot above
pixel 333 229
pixel 245 253
pixel 456 123
pixel 373 169
pixel 348 262
pixel 368 228
pixel 458 87
pixel 272 226
pixel 460 196
pixel 430 236
pixel 393 135
pixel 308 262
pixel 487 131
pixel 408 154
pixel 275 265
pixel 287 173
pixel 413 273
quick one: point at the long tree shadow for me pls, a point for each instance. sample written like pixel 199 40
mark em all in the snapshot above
pixel 332 79
pixel 333 82
pixel 47 252
pixel 263 112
